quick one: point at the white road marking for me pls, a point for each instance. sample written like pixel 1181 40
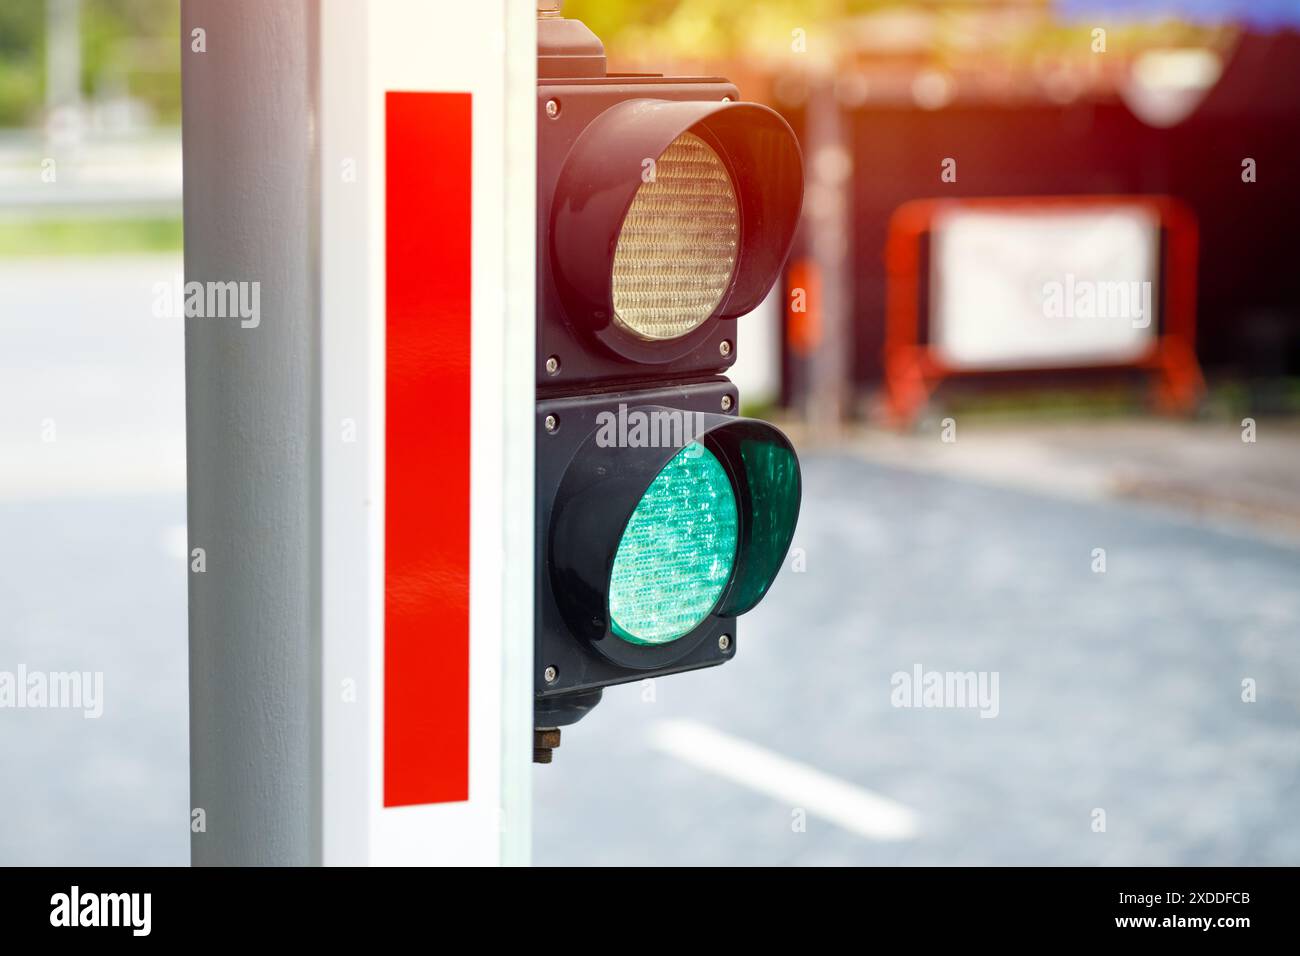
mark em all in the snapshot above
pixel 837 801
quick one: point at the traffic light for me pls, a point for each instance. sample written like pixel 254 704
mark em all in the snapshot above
pixel 666 209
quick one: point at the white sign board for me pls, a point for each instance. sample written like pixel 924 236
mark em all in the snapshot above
pixel 1044 289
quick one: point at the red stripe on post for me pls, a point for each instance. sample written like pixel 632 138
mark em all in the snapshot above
pixel 426 521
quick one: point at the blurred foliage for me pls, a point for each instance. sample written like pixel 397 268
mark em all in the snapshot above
pixel 127 47
pixel 762 29
pixel 135 43
pixel 131 47
pixel 22 59
pixel 707 29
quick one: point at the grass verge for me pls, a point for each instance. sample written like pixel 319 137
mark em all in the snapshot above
pixel 88 237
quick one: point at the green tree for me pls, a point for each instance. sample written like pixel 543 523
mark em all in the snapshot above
pixel 22 59
pixel 125 44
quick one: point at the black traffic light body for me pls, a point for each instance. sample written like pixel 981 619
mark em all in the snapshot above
pixel 704 511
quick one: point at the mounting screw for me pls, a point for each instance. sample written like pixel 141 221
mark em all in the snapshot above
pixel 726 403
pixel 726 99
pixel 551 675
pixel 552 423
pixel 553 365
pixel 724 347
pixel 552 108
pixel 724 642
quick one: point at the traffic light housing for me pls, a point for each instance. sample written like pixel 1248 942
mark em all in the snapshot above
pixel 666 209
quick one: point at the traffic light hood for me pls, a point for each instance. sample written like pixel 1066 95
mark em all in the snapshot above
pixel 605 484
pixel 616 154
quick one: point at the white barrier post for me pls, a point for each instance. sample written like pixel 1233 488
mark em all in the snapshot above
pixel 360 429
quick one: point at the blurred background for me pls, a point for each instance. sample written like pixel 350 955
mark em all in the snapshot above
pixel 964 467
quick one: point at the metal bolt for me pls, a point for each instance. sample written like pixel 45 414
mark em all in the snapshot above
pixel 552 423
pixel 545 740
pixel 724 642
pixel 553 365
pixel 724 347
pixel 726 403
pixel 726 99
pixel 552 108
pixel 551 675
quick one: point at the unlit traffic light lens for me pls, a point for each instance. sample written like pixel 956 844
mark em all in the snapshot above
pixel 677 551
pixel 678 245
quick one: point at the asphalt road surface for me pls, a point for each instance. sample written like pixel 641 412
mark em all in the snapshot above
pixel 1119 695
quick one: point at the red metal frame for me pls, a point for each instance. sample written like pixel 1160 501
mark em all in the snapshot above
pixel 913 371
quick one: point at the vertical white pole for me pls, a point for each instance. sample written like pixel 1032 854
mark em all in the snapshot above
pixel 252 424
pixel 62 53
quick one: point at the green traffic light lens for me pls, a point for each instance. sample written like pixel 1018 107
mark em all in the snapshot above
pixel 677 551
